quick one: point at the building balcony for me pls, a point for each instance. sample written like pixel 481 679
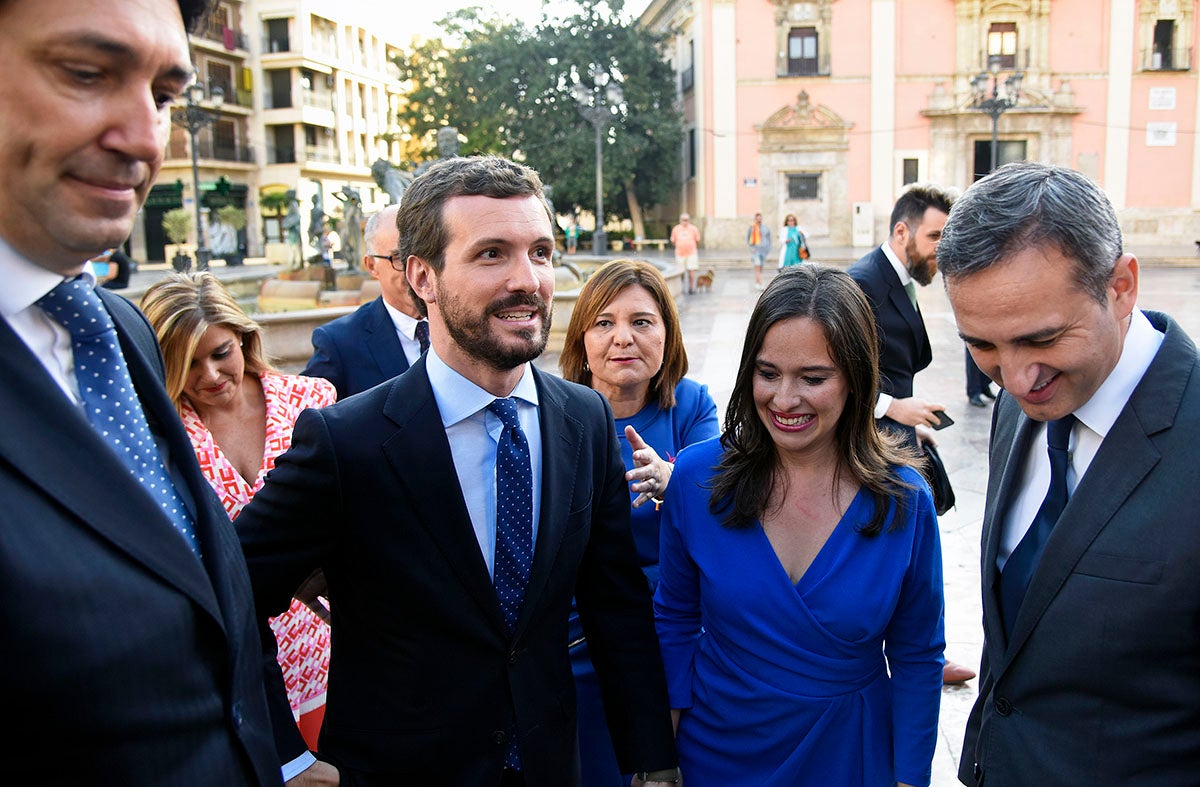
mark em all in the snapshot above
pixel 229 38
pixel 323 153
pixel 281 155
pixel 209 150
pixel 1167 59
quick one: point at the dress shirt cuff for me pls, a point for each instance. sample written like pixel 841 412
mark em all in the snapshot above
pixel 882 405
pixel 297 766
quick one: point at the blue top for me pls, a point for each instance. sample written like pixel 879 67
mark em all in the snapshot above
pixel 835 679
pixel 793 239
pixel 692 420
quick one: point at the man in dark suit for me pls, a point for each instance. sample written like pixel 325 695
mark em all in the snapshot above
pixel 888 276
pixel 451 551
pixel 381 339
pixel 131 650
pixel 1091 661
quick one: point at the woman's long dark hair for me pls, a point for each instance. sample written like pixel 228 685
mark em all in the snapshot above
pixel 746 477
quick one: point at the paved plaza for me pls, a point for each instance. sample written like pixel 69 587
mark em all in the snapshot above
pixel 714 325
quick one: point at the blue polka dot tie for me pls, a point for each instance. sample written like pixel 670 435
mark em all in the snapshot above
pixel 514 526
pixel 109 396
pixel 514 512
pixel 422 334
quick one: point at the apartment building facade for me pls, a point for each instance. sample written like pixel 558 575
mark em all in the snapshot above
pixel 308 93
pixel 828 108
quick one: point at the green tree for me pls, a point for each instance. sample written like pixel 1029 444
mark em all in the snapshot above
pixel 508 90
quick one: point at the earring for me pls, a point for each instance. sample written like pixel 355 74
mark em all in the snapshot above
pixel 586 368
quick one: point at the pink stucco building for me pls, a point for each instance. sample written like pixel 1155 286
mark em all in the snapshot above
pixel 828 108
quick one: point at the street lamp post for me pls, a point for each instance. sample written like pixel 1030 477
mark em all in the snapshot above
pixel 995 102
pixel 195 117
pixel 599 105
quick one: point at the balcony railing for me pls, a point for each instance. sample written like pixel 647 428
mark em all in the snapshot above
pixel 316 100
pixel 687 79
pixel 222 34
pixel 277 155
pixel 276 44
pixel 805 68
pixel 213 151
pixel 323 153
pixel 1179 59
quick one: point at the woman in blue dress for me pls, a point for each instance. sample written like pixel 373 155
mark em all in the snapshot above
pixel 800 603
pixel 624 341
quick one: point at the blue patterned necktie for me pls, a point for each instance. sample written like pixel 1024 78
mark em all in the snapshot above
pixel 109 396
pixel 1019 567
pixel 514 512
pixel 514 526
pixel 422 334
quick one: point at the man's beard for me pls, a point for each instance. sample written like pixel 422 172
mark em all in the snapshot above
pixel 473 335
pixel 919 267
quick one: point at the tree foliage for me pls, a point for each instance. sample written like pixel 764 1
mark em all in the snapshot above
pixel 508 90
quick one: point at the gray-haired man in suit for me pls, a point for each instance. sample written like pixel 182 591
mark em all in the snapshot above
pixel 1091 662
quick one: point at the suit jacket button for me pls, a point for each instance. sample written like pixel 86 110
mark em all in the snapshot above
pixel 512 657
pixel 1003 706
pixel 499 737
pixel 236 714
pixel 977 772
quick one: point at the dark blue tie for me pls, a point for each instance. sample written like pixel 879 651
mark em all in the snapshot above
pixel 514 526
pixel 422 334
pixel 1019 567
pixel 109 396
pixel 514 512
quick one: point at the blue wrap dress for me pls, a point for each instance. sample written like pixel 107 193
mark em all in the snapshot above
pixel 833 680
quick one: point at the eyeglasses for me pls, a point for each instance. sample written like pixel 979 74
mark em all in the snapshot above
pixel 394 259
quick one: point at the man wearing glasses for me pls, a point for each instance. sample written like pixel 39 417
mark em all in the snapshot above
pixel 382 338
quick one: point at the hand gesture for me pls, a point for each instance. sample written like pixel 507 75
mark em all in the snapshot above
pixel 650 474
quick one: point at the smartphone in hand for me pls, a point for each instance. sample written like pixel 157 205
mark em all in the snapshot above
pixel 943 419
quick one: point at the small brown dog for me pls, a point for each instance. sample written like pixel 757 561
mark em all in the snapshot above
pixel 704 280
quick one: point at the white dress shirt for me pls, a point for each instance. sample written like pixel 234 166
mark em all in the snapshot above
pixel 474 432
pixel 25 284
pixel 885 400
pixel 406 331
pixel 1095 418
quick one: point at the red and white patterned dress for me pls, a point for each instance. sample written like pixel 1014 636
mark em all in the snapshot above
pixel 303 637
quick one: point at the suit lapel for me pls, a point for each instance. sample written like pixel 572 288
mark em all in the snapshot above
pixel 383 343
pixel 100 497
pixel 432 485
pixel 904 307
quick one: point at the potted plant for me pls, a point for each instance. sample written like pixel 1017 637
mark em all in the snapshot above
pixel 177 224
pixel 235 218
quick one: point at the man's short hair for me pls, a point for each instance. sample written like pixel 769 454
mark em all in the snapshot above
pixel 913 203
pixel 1024 205
pixel 375 223
pixel 421 220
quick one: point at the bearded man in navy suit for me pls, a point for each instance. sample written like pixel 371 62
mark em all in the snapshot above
pixel 446 669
